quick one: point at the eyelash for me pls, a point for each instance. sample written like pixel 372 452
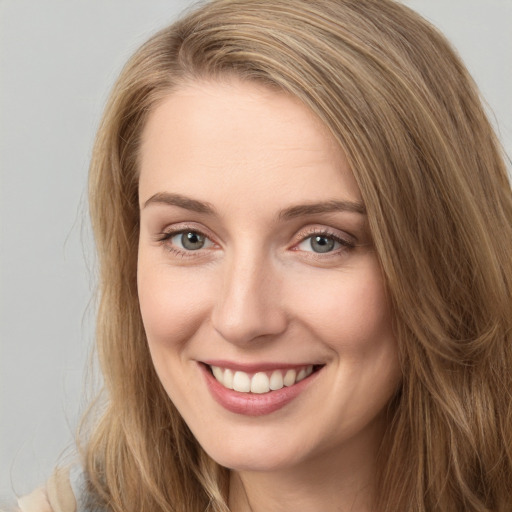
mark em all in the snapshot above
pixel 165 237
pixel 345 245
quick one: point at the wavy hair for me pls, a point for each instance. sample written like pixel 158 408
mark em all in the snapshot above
pixel 431 173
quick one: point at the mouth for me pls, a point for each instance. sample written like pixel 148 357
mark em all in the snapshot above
pixel 261 382
pixel 257 390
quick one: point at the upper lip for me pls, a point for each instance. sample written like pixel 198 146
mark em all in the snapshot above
pixel 256 367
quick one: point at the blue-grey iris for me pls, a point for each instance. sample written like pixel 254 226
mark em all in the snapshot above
pixel 192 241
pixel 322 243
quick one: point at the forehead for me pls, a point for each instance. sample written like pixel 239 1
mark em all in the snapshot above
pixel 240 138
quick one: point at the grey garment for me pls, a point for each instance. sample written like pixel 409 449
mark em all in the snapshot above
pixel 78 482
pixel 84 502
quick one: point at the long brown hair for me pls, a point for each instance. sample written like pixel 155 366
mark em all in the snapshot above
pixel 431 173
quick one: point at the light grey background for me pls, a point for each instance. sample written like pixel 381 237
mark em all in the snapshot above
pixel 58 60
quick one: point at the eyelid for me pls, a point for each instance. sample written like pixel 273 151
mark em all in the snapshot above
pixel 318 230
pixel 345 240
pixel 182 227
pixel 164 238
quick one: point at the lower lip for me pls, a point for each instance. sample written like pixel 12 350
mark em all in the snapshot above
pixel 254 404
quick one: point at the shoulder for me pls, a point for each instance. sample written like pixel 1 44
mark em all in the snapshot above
pixel 64 492
pixel 36 501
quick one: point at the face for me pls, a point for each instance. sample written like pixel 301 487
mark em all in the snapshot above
pixel 261 295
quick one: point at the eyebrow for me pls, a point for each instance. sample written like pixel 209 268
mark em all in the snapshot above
pixel 182 201
pixel 292 212
pixel 322 207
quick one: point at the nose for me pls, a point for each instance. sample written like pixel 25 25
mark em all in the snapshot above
pixel 248 307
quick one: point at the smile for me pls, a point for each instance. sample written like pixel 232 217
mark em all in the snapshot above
pixel 257 390
pixel 260 382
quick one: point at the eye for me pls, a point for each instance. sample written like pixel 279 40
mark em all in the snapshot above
pixel 190 240
pixel 322 243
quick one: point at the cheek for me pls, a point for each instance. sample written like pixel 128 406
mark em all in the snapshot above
pixel 347 309
pixel 172 305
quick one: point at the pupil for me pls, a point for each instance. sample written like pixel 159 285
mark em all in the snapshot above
pixel 322 244
pixel 192 241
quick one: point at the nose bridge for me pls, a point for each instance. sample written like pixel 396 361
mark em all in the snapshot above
pixel 248 305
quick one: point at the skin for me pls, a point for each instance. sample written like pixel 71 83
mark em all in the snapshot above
pixel 258 292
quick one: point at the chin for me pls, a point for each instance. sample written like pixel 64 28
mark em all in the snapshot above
pixel 257 462
pixel 261 455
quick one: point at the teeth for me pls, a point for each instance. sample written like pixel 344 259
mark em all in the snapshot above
pixel 289 378
pixel 241 382
pixel 276 380
pixel 260 382
pixel 301 375
pixel 228 378
pixel 218 373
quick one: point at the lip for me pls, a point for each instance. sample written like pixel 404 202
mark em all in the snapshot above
pixel 253 404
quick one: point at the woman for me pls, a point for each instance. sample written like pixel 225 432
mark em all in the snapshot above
pixel 304 226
